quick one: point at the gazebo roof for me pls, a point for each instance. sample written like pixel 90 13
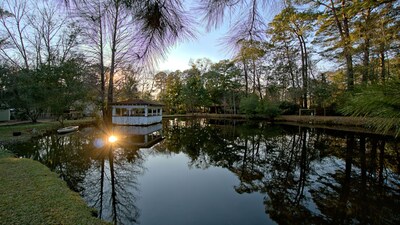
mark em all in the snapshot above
pixel 138 102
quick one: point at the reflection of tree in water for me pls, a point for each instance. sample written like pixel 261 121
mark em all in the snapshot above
pixel 365 188
pixel 105 177
pixel 310 176
pixel 111 183
pixel 289 178
pixel 204 144
pixel 67 155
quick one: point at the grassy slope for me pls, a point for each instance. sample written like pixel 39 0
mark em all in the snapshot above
pixel 32 194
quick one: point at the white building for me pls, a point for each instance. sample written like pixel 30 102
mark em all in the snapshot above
pixel 136 112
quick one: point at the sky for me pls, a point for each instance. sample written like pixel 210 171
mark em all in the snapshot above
pixel 207 45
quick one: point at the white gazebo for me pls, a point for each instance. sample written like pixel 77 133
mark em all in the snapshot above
pixel 136 112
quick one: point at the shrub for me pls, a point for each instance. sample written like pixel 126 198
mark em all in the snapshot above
pixel 289 108
pixel 249 105
pixel 269 108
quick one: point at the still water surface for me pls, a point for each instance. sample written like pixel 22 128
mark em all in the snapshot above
pixel 228 172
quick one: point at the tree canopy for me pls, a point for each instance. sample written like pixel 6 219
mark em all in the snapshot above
pixel 324 55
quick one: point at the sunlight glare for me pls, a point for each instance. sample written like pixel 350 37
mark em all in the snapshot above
pixel 112 139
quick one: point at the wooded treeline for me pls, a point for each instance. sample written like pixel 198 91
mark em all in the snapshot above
pixel 109 41
pixel 324 55
pixel 316 54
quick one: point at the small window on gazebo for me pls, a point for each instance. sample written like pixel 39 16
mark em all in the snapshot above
pixel 118 112
pixel 124 112
pixel 141 112
pixel 137 112
pixel 133 112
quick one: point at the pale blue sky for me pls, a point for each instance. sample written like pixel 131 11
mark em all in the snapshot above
pixel 207 45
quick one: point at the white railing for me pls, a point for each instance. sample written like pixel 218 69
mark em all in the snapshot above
pixel 136 120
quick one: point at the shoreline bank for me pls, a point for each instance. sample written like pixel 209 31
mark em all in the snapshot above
pixel 32 194
pixel 354 124
pixel 29 130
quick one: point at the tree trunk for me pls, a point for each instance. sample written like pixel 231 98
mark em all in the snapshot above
pixel 102 72
pixel 254 75
pixel 347 50
pixel 349 71
pixel 345 39
pixel 305 78
pixel 382 63
pixel 366 46
pixel 259 85
pixel 110 94
pixel 246 77
pixel 365 74
pixel 292 76
pixel 303 75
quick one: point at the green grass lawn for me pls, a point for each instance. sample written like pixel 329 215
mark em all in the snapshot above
pixel 31 194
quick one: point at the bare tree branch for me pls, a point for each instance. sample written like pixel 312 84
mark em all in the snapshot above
pixel 249 19
pixel 16 29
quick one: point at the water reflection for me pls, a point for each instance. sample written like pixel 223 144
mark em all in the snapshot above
pixel 111 183
pixel 304 175
pixel 104 173
pixel 309 176
pixel 68 155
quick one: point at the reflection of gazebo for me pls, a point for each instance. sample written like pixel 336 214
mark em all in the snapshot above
pixel 136 112
pixel 140 136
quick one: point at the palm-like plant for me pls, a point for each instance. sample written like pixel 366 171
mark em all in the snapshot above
pixel 380 102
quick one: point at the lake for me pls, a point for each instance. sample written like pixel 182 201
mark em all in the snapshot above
pixel 203 171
